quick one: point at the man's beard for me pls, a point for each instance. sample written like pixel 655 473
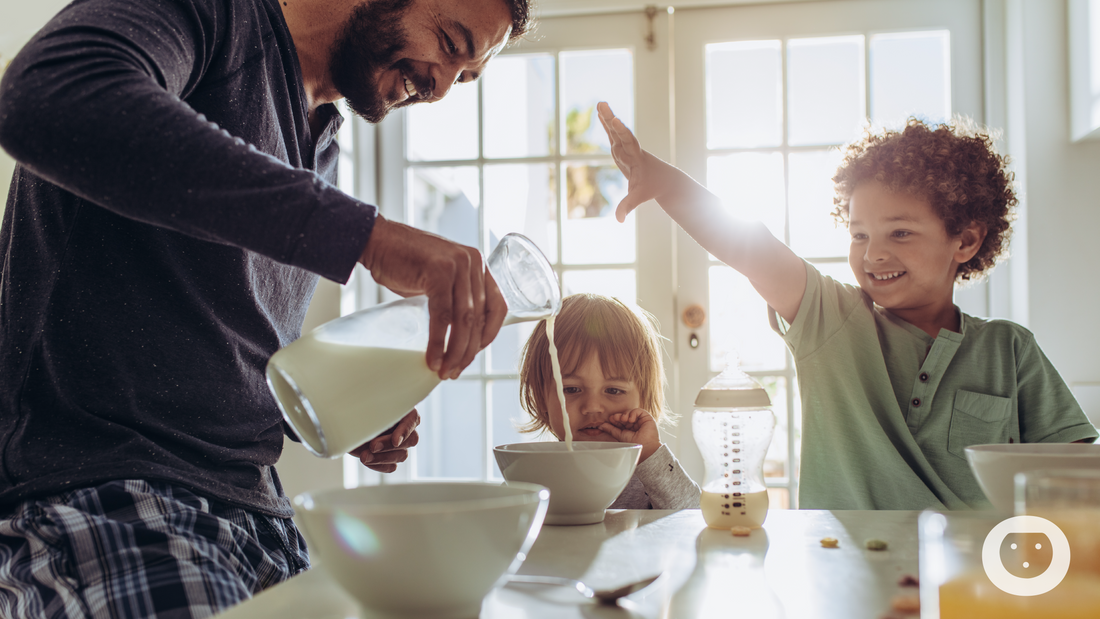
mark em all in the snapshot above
pixel 371 41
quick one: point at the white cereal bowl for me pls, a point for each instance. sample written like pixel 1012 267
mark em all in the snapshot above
pixel 582 482
pixel 422 550
pixel 996 466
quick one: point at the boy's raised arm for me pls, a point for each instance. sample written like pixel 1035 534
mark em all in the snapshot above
pixel 773 269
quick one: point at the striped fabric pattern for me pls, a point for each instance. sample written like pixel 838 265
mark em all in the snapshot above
pixel 136 549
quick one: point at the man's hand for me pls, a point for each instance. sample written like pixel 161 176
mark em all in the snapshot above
pixel 634 426
pixel 383 452
pixel 461 293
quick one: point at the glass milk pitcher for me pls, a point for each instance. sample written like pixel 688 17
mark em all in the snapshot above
pixel 354 377
pixel 733 425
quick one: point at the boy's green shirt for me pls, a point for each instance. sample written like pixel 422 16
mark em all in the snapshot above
pixel 887 410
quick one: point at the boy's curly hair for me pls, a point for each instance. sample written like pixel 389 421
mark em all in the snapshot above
pixel 951 165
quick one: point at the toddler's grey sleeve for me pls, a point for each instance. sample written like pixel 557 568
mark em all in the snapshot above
pixel 666 483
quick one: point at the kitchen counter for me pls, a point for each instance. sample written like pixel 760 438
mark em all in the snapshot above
pixel 781 570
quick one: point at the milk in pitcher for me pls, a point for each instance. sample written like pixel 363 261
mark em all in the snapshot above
pixel 354 377
pixel 355 392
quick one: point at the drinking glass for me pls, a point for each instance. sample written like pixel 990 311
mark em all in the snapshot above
pixel 1044 561
pixel 1070 499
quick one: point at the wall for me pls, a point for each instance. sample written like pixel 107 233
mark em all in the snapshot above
pixel 1063 196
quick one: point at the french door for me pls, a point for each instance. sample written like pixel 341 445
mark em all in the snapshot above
pixel 750 100
pixel 764 96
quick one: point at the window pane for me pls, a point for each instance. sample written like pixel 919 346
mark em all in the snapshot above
pixel 619 283
pixel 521 198
pixel 507 414
pixel 910 76
pixel 588 77
pixel 751 186
pixel 744 94
pixel 739 329
pixel 505 350
pixel 444 130
pixel 451 439
pixel 518 101
pixel 445 201
pixel 590 232
pixel 814 233
pixel 825 89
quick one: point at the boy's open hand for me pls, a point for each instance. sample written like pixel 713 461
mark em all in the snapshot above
pixel 630 158
pixel 634 426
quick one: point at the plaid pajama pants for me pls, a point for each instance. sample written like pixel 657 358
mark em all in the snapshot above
pixel 137 549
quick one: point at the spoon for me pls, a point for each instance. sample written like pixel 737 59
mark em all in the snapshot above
pixel 605 596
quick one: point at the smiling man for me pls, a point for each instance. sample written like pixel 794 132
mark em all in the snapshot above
pixel 387 54
pixel 171 211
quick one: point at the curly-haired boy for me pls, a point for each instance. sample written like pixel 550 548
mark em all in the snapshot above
pixel 896 382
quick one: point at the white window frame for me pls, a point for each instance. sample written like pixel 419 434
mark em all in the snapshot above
pixel 651 110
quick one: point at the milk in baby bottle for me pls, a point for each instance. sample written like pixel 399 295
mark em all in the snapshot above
pixel 733 425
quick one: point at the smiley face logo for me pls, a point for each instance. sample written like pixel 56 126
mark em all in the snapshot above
pixel 1027 542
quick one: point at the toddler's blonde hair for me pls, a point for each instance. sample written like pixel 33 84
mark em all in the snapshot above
pixel 626 340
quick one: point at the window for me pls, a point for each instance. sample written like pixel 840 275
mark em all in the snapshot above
pixel 762 96
pixel 520 150
pixel 1084 69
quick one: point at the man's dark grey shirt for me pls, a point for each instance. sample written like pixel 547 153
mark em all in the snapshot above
pixel 163 235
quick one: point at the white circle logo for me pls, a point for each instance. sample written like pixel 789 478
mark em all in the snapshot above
pixel 1036 585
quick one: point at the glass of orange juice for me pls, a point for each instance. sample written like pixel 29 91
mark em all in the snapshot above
pixel 1070 498
pixel 992 564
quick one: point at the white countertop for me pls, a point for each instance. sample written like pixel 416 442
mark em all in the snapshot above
pixel 779 571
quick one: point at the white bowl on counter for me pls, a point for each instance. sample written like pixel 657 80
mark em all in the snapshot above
pixel 582 482
pixel 996 466
pixel 425 549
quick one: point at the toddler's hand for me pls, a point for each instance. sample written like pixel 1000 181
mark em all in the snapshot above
pixel 634 426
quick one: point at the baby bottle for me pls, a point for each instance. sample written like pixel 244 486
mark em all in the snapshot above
pixel 733 425
pixel 352 378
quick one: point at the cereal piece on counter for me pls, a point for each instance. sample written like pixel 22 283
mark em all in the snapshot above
pixel 908 581
pixel 741 531
pixel 906 603
pixel 875 544
pixel 829 542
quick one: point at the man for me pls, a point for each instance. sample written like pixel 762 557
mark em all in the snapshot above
pixel 171 211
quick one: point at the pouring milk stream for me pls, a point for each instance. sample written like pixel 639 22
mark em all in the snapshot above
pixel 559 387
pixel 354 377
